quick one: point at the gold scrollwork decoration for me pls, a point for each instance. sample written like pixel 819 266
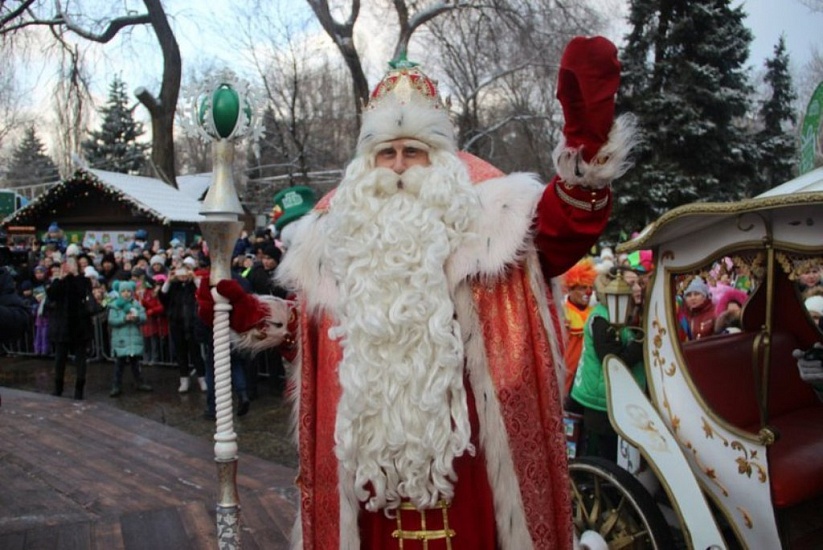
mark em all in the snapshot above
pixel 747 463
pixel 747 517
pixel 796 264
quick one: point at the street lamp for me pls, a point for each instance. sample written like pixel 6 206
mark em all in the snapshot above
pixel 222 111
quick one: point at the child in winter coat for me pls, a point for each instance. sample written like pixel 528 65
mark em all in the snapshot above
pixel 42 346
pixel 126 315
pixel 156 329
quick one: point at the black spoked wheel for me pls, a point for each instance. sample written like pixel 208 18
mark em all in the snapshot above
pixel 610 501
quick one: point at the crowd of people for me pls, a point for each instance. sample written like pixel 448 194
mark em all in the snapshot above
pixel 712 303
pixel 144 298
pixel 706 304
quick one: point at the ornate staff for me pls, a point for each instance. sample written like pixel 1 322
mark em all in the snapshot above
pixel 223 114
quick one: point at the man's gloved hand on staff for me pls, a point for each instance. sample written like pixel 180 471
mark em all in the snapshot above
pixel 247 312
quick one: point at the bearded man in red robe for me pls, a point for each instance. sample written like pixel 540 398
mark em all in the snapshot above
pixel 427 350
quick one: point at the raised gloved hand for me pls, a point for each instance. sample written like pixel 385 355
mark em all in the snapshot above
pixel 247 311
pixel 595 146
pixel 586 85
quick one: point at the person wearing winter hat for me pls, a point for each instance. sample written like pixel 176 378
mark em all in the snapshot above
pixel 640 261
pixel 141 237
pixel 814 305
pixel 126 314
pixel 55 238
pixel 157 266
pixel 110 270
pixel 261 276
pixel 291 204
pixel 698 309
pixel 727 311
pixel 178 298
pixel 434 291
pixel 91 273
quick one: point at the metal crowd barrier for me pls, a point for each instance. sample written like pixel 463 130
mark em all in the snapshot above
pixel 265 364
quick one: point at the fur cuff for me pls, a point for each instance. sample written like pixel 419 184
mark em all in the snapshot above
pixel 610 162
pixel 272 328
pixel 590 540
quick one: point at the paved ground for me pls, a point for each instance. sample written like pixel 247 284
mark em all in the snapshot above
pixel 263 432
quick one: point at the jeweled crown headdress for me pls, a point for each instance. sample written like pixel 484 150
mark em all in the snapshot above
pixel 405 104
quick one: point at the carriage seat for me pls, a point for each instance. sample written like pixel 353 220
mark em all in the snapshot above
pixel 721 369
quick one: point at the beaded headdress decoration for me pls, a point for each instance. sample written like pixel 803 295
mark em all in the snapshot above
pixel 405 104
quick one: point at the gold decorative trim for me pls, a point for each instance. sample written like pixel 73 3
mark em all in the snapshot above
pixel 749 461
pixel 424 535
pixel 592 206
pixel 744 206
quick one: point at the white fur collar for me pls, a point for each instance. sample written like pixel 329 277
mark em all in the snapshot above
pixel 500 236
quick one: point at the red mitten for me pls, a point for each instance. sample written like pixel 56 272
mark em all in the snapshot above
pixel 586 85
pixel 595 147
pixel 205 302
pixel 247 312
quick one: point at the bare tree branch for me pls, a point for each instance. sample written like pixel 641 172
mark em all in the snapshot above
pixel 342 35
pixel 409 26
pixel 115 26
pixel 13 14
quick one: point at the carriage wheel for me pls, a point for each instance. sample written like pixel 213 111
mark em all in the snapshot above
pixel 609 500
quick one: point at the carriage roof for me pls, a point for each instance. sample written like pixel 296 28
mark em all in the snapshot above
pixel 801 196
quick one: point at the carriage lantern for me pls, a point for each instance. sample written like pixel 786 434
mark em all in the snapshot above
pixel 619 300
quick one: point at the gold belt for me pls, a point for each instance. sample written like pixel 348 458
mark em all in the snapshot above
pixel 424 534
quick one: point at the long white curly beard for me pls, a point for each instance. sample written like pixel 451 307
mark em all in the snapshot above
pixel 402 417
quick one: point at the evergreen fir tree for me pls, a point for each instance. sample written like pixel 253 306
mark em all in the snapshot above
pixel 115 147
pixel 684 77
pixel 778 146
pixel 30 164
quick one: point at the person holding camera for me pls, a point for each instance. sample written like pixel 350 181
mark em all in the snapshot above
pixel 178 298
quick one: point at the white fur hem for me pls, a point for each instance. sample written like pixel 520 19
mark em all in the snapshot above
pixel 590 540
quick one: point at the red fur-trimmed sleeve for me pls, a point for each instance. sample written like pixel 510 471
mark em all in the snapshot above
pixel 568 222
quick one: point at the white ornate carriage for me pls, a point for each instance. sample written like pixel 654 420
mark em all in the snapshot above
pixel 731 433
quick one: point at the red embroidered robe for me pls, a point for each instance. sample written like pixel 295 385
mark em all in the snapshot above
pixel 512 340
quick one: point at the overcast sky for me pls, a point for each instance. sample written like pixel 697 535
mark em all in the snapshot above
pixel 769 18
pixel 766 18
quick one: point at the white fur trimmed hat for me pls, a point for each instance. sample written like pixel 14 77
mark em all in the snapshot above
pixel 814 304
pixel 405 104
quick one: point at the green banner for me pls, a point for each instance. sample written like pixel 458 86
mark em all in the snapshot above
pixel 810 130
